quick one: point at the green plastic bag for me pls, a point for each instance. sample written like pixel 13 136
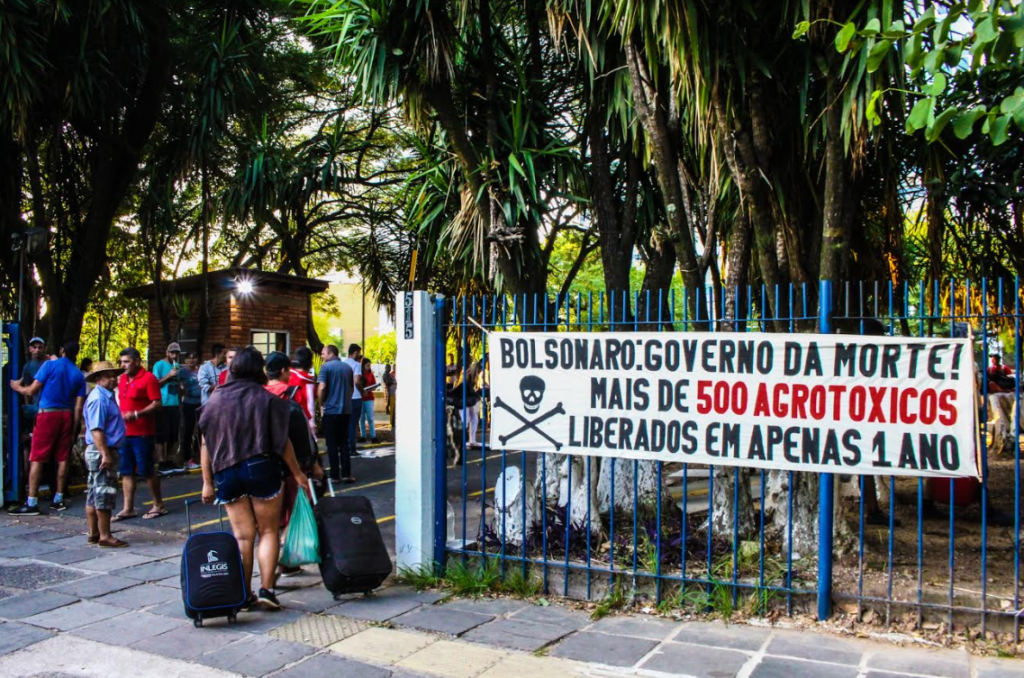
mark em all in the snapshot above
pixel 301 542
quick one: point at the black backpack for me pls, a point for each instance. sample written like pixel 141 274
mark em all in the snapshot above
pixel 306 451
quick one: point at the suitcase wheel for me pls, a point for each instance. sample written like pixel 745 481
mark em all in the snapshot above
pixel 197 622
pixel 232 618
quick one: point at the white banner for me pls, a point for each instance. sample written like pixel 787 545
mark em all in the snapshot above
pixel 808 402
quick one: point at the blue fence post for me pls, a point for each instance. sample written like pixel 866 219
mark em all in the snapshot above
pixel 11 482
pixel 826 485
pixel 441 440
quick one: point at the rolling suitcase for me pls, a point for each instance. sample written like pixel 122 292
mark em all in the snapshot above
pixel 353 557
pixel 212 579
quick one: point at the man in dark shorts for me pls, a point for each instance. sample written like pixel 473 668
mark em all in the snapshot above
pixel 61 389
pixel 168 420
pixel 104 437
pixel 139 395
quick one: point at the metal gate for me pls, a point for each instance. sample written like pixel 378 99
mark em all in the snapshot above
pixel 929 559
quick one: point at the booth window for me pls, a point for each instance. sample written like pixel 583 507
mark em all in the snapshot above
pixel 269 340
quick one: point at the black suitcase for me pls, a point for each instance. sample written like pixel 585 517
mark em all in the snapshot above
pixel 212 578
pixel 353 557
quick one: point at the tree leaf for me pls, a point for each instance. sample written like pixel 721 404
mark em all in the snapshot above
pixel 1000 130
pixel 964 124
pixel 943 119
pixel 844 36
pixel 919 115
pixel 986 32
pixel 872 110
pixel 877 54
pixel 801 29
pixel 938 85
pixel 1012 103
pixel 873 27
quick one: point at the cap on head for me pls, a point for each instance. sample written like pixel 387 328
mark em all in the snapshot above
pixel 102 369
pixel 173 347
pixel 36 340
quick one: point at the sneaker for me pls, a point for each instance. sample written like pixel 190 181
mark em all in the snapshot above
pixel 25 510
pixel 268 600
pixel 58 506
pixel 192 466
pixel 290 571
pixel 360 439
pixel 249 602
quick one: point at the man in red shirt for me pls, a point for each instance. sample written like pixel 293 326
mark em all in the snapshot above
pixel 138 393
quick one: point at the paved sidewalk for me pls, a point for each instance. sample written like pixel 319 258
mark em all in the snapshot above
pixel 76 611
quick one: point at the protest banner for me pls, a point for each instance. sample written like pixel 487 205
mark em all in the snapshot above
pixel 807 402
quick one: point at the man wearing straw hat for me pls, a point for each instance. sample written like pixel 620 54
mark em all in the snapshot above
pixel 104 436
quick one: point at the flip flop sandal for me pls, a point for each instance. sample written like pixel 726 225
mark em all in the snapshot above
pixel 113 544
pixel 93 539
pixel 118 517
pixel 153 513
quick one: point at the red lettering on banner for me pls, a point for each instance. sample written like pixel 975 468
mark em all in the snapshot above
pixel 946 399
pixel 837 404
pixel 877 398
pixel 800 395
pixel 777 407
pixel 761 404
pixel 906 416
pixel 929 406
pixel 818 402
pixel 858 403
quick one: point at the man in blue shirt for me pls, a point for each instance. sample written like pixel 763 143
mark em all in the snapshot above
pixel 334 391
pixel 210 371
pixel 104 436
pixel 61 388
pixel 169 419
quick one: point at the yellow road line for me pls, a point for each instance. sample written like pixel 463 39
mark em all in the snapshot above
pixel 377 483
pixel 386 519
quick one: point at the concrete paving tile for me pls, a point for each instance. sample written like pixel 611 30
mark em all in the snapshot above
pixel 171 582
pixel 140 597
pixel 886 674
pixel 67 556
pixel 154 571
pixel 70 541
pixel 256 655
pixel 41 534
pixel 330 664
pixel 128 628
pixel 452 659
pixel 17 530
pixel 23 548
pixel 382 646
pixel 17 636
pixel 311 599
pixel 186 642
pixel 158 551
pixel 441 620
pixel 717 634
pixel 263 621
pixel 778 667
pixel 999 668
pixel 74 616
pixel 35 576
pixel 516 634
pixel 33 603
pixel 384 605
pixel 556 616
pixel 818 647
pixel 929 662
pixel 534 667
pixel 637 627
pixel 108 562
pixel 602 648
pixel 696 661
pixel 493 606
pixel 93 587
pixel 173 608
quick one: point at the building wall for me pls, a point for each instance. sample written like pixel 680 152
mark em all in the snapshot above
pixel 232 318
pixel 353 307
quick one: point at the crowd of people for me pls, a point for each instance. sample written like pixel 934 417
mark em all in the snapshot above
pixel 131 419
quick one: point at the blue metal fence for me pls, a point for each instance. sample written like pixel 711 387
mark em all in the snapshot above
pixel 676 555
pixel 12 468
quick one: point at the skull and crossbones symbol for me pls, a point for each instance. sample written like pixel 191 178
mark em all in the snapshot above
pixel 531 389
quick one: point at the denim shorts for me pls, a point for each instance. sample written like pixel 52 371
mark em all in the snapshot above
pixel 137 457
pixel 258 477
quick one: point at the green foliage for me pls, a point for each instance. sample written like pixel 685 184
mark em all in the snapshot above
pixel 382 349
pixel 613 601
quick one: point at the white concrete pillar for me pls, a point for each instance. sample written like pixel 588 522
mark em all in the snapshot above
pixel 415 371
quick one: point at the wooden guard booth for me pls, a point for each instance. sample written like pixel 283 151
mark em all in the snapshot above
pixel 271 311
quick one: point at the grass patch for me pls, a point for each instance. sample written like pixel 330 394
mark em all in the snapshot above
pixel 420 578
pixel 615 600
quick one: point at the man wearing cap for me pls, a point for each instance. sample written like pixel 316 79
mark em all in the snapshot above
pixel 169 418
pixel 61 389
pixel 104 436
pixel 138 394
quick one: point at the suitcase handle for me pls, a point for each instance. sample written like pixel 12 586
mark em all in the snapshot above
pixel 188 517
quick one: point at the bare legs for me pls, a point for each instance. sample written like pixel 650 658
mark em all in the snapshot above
pixel 251 517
